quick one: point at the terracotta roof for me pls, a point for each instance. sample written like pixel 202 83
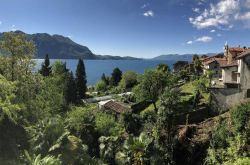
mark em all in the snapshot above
pixel 220 61
pixel 244 54
pixel 230 65
pixel 237 49
pixel 209 61
pixel 116 107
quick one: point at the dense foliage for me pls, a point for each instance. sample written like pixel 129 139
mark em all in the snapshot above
pixel 44 121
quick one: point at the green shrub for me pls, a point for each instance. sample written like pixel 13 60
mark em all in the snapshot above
pixel 231 154
pixel 101 86
pixel 240 117
pixel 106 125
pixel 80 117
pixel 220 136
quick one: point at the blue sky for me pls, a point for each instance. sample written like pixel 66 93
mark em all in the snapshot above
pixel 140 28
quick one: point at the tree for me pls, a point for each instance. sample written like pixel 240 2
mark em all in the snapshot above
pixel 129 80
pixel 81 81
pixel 8 107
pixel 70 93
pixel 20 53
pixel 116 76
pixel 105 79
pixel 197 64
pixel 163 67
pixel 59 69
pixel 165 125
pixel 46 69
pixel 150 86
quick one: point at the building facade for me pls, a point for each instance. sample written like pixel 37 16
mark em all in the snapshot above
pixel 235 87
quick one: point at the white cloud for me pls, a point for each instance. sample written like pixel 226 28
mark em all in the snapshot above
pixel 145 5
pixel 212 31
pixel 69 36
pixel 197 10
pixel 216 15
pixel 224 15
pixel 1 22
pixel 204 39
pixel 201 2
pixel 243 17
pixel 149 13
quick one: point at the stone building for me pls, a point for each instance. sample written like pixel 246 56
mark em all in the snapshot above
pixel 214 64
pixel 235 87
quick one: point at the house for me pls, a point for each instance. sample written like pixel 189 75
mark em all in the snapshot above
pixel 214 64
pixel 231 70
pixel 113 107
pixel 235 87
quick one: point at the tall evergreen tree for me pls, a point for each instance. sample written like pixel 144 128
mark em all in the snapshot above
pixel 116 76
pixel 105 79
pixel 46 68
pixel 81 81
pixel 70 92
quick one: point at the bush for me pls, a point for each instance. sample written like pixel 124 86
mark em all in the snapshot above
pixel 240 117
pixel 220 136
pixel 81 122
pixel 45 133
pixel 132 123
pixel 148 115
pixel 230 155
pixel 101 86
pixel 129 80
pixel 106 125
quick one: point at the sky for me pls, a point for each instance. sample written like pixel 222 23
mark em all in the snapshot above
pixel 139 28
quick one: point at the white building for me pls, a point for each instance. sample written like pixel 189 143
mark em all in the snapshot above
pixel 235 78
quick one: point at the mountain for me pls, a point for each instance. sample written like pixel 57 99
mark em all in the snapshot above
pixel 61 47
pixel 178 57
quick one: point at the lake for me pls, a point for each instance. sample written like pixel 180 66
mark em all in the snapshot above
pixel 95 68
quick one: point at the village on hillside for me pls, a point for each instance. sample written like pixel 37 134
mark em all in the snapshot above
pixel 186 115
pixel 230 85
pixel 229 73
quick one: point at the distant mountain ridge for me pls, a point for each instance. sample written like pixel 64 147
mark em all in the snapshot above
pixel 61 47
pixel 178 57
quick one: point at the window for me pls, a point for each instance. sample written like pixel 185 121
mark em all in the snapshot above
pixel 234 76
pixel 248 93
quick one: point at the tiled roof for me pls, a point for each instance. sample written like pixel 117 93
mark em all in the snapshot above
pixel 237 49
pixel 244 54
pixel 233 64
pixel 220 61
pixel 116 107
pixel 209 61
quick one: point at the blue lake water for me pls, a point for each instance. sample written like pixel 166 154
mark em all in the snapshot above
pixel 95 68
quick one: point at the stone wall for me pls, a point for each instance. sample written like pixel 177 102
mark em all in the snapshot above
pixel 225 98
pixel 193 117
